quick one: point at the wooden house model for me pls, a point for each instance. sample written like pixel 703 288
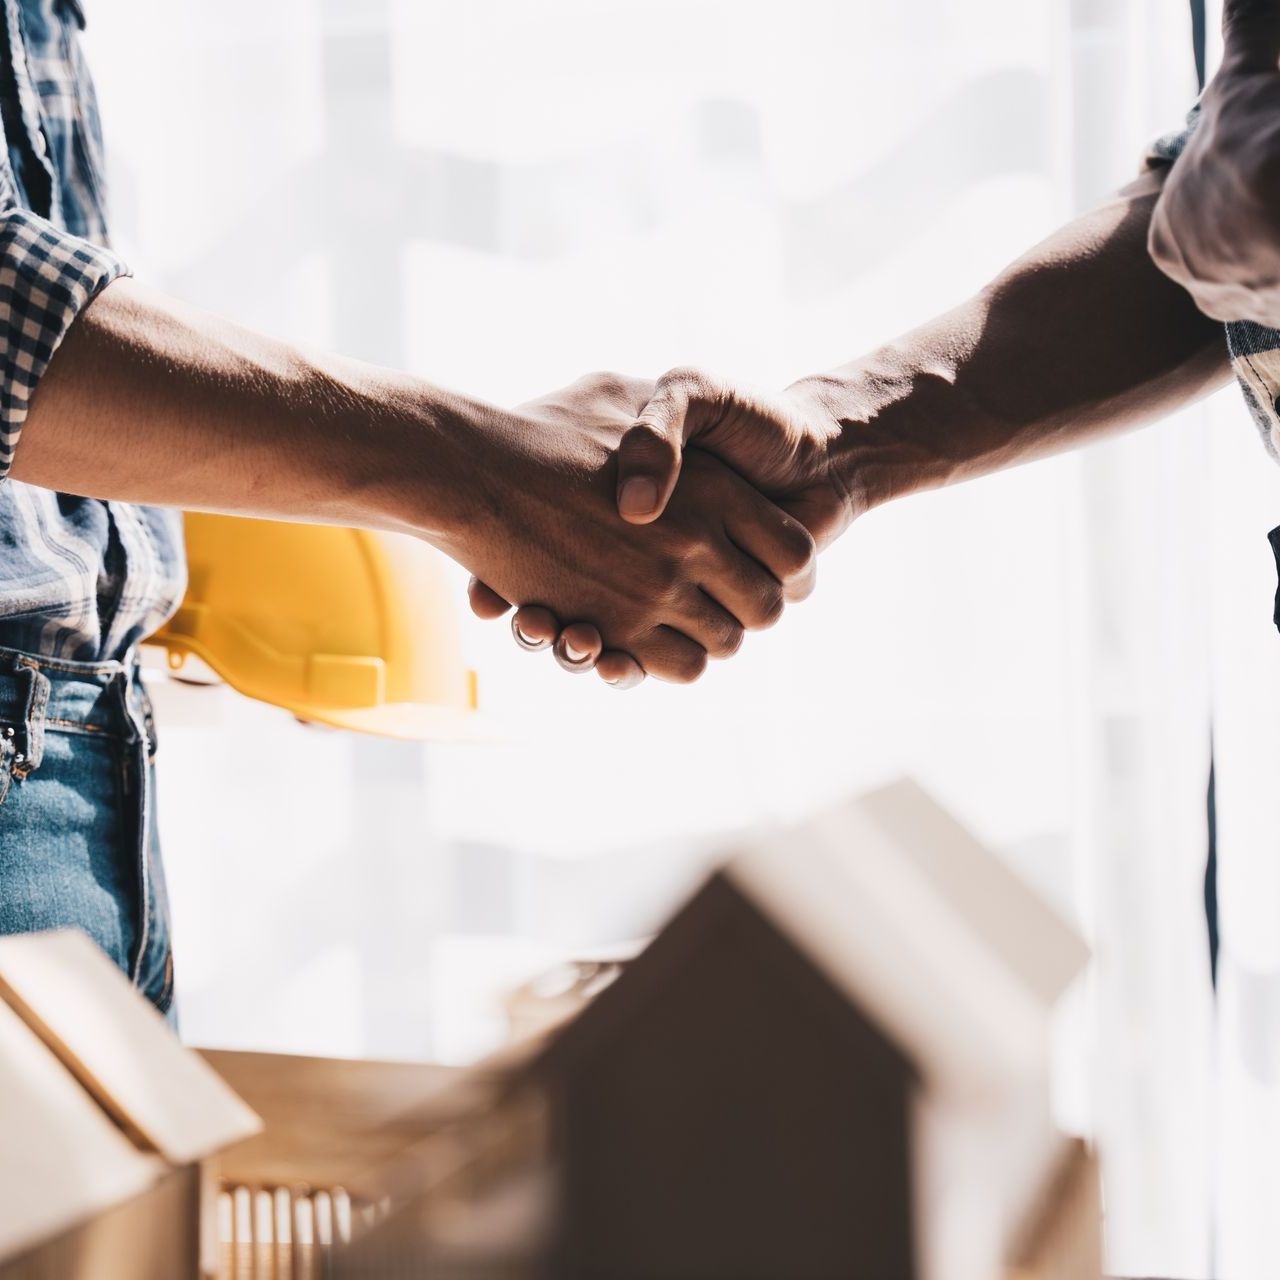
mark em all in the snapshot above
pixel 832 1062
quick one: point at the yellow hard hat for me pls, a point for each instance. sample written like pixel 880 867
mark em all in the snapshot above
pixel 341 626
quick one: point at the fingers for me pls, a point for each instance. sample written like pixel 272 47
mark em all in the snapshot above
pixel 649 454
pixel 669 654
pixel 1251 35
pixel 534 628
pixel 702 619
pixel 577 648
pixel 672 656
pixel 776 540
pixel 619 670
pixel 743 587
pixel 485 602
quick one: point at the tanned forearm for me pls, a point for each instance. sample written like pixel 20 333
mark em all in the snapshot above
pixel 1081 337
pixel 149 400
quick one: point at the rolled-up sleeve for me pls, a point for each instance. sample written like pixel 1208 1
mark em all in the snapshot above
pixel 47 277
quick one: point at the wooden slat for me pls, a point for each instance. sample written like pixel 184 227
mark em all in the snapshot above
pixel 152 1237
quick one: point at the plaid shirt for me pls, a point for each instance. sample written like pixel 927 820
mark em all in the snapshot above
pixel 79 578
pixel 1254 349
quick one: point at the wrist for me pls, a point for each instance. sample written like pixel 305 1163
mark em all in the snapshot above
pixel 871 411
pixel 416 453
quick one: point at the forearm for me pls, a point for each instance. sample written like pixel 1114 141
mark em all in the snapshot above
pixel 150 401
pixel 1081 337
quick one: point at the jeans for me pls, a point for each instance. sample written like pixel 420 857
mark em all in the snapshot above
pixel 78 845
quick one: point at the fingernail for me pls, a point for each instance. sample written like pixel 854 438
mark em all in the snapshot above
pixel 525 641
pixel 576 655
pixel 639 496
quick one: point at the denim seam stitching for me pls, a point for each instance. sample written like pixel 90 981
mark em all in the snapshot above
pixel 51 664
pixel 81 725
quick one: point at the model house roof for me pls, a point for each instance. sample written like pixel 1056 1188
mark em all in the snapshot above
pixel 951 953
pixel 948 953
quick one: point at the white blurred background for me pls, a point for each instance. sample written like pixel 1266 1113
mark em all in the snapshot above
pixel 503 194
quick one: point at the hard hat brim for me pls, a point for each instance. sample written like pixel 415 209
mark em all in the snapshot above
pixel 406 721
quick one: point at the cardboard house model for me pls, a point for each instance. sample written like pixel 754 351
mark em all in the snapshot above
pixel 832 1062
pixel 108 1126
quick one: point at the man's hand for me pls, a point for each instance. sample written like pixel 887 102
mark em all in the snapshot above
pixel 1216 227
pixel 719 560
pixel 782 443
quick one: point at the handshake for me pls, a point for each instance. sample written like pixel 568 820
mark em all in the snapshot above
pixel 644 527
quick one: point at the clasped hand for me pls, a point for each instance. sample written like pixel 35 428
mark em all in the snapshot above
pixel 662 556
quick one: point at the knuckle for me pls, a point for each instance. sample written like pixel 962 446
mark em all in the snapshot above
pixel 770 607
pixel 690 665
pixel 800 587
pixel 648 438
pixel 683 549
pixel 720 633
pixel 668 574
pixel 798 548
pixel 687 379
pixel 608 384
pixel 730 640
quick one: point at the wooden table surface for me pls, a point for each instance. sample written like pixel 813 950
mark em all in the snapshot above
pixel 328 1120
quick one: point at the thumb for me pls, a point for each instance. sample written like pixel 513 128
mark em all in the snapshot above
pixel 1251 35
pixel 650 452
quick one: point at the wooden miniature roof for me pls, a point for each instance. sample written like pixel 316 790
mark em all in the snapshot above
pixel 945 952
pixel 719 919
pixel 165 1097
pixel 956 958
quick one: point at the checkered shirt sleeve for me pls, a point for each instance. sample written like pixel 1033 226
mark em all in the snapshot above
pixel 47 277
